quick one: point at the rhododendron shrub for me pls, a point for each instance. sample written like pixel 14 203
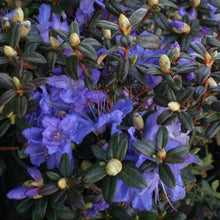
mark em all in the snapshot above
pixel 111 107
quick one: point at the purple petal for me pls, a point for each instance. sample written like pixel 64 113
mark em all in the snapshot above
pixel 17 193
pixel 34 173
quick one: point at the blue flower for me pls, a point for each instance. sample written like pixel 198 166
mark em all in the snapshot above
pixel 97 206
pixel 30 187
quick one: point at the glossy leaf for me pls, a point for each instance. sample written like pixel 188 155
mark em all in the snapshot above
pixel 109 188
pixel 166 175
pixel 162 138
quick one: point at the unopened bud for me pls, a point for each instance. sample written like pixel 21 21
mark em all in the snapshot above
pixel 180 27
pixel 164 64
pixel 37 197
pixel 124 24
pixel 9 52
pixel 138 121
pixel 174 106
pixel 194 3
pixel 207 59
pixel 214 54
pixel 212 82
pixel 62 183
pixel 18 3
pixel 88 205
pixel 18 15
pixel 16 82
pixel 85 165
pixel 152 3
pixel 176 50
pixel 25 28
pixel 74 39
pixel 54 43
pixel 6 24
pixel 106 34
pixel 134 59
pixel 113 167
pixel 162 154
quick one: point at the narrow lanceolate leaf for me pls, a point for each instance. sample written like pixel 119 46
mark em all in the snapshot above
pixel 176 155
pixel 21 105
pixel 39 208
pixel 175 84
pixel 109 188
pixel 165 117
pixel 137 16
pixel 166 175
pixel 132 178
pixel 94 174
pixel 6 81
pixel 40 81
pixel 87 50
pixel 121 149
pixel 161 20
pixel 186 94
pixel 74 27
pixel 28 86
pixel 198 48
pixel 202 74
pixel 212 129
pixel 24 205
pixel 4 127
pixel 7 97
pixel 33 57
pixel 75 198
pixel 48 189
pixel 53 176
pixel 186 120
pixel 3 60
pixel 15 35
pixel 113 143
pixel 146 41
pixel 123 68
pixel 100 153
pixel 161 100
pixel 162 139
pixel 145 146
pixel 147 166
pixel 185 43
pixel 89 83
pixel 65 165
pixel 107 25
pixel 72 67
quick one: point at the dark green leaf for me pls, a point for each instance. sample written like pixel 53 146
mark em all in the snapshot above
pixel 48 189
pixel 170 95
pixel 161 20
pixel 40 81
pixel 113 143
pixel 199 91
pixel 107 25
pixel 166 175
pixel 109 188
pixel 146 41
pixel 39 208
pixel 7 96
pixel 212 129
pixel 198 48
pixel 121 149
pixel 75 198
pixel 3 60
pixel 74 27
pixel 132 177
pixel 53 176
pixel 202 74
pixel 162 139
pixel 185 43
pixel 164 117
pixel 4 38
pixel 213 42
pixel 87 50
pixel 4 127
pixel 161 100
pixel 6 81
pixel 15 35
pixel 186 120
pixel 216 106
pixel 99 153
pixel 137 75
pixel 123 69
pixel 34 38
pixel 60 197
pixel 72 67
pixel 137 16
pixel 24 205
pixel 64 212
pixel 92 42
pixel 94 174
pixel 185 68
pixel 147 166
pixel 65 165
pixel 145 215
pixel 176 155
pixel 29 86
pixel 33 57
pixel 89 83
pixel 186 94
pixel 21 105
pixel 172 82
pixel 145 146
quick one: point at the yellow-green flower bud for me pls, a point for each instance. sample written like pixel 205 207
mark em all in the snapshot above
pixel 88 205
pixel 165 64
pixel 9 52
pixel 18 15
pixel 37 197
pixel 54 43
pixel 74 39
pixel 62 183
pixel 85 165
pixel 113 167
pixel 214 54
pixel 179 27
pixel 212 82
pixel 124 24
pixel 134 59
pixel 25 28
pixel 16 82
pixel 194 3
pixel 176 53
pixel 152 3
pixel 162 154
pixel 107 34
pixel 6 24
pixel 138 121
pixel 174 106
